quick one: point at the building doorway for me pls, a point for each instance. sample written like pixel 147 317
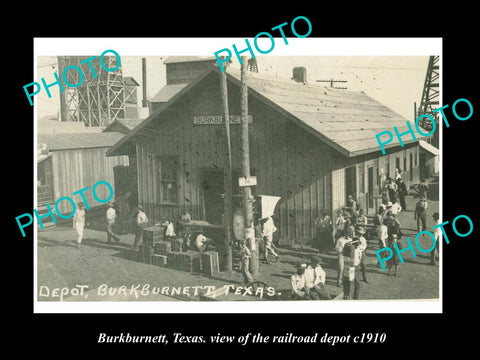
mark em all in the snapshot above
pixel 213 190
pixel 411 167
pixel 351 182
pixel 370 187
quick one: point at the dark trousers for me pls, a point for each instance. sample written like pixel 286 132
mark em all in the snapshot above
pixel 435 251
pixel 351 289
pixel 392 195
pixel 325 241
pixel 402 202
pixel 138 236
pixel 422 221
pixel 110 233
pixel 363 269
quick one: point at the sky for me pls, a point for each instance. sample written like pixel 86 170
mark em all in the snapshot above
pixel 395 81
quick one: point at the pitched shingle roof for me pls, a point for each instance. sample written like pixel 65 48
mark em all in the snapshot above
pixel 167 92
pixel 346 120
pixel 79 140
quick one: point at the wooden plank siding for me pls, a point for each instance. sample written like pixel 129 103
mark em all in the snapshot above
pixel 288 160
pixel 76 169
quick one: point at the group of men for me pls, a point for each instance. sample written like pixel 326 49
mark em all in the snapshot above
pixel 138 218
pixel 308 283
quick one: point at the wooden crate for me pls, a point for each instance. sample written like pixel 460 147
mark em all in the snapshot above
pixel 153 240
pixel 210 264
pixel 145 253
pixel 173 259
pixel 177 244
pixel 153 233
pixel 159 260
pixel 163 247
pixel 189 261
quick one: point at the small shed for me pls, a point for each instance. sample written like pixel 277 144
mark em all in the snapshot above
pixel 70 162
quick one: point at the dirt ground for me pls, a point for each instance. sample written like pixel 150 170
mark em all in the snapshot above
pixel 96 263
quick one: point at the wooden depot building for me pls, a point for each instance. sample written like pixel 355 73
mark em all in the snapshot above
pixel 310 145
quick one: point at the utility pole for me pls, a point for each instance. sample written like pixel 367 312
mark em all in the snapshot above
pixel 227 175
pixel 331 81
pixel 247 191
pixel 63 95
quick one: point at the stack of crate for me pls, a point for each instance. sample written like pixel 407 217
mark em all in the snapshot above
pixel 209 262
pixel 151 236
pixel 159 250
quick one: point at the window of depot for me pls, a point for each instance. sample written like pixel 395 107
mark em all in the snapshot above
pixel 168 179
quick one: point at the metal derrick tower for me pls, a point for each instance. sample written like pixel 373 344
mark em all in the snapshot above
pixel 96 101
pixel 430 96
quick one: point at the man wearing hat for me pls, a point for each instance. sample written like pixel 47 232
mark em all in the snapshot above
pixel 140 223
pixel 339 225
pixel 351 282
pixel 402 192
pixel 324 232
pixel 300 291
pixel 420 214
pixel 341 242
pixel 245 261
pixel 111 216
pixel 315 279
pixel 360 231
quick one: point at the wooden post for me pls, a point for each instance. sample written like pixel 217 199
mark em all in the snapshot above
pixel 227 176
pixel 247 192
pixel 63 94
pixel 144 82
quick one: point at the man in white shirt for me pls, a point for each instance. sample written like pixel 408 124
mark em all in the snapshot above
pixel 268 229
pixel 300 291
pixel 339 225
pixel 79 222
pixel 140 223
pixel 339 248
pixel 111 216
pixel 360 231
pixel 315 280
pixel 351 281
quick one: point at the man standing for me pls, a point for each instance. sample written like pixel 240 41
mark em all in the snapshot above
pixel 402 192
pixel 360 231
pixel 422 189
pixel 382 234
pixel 339 225
pixel 391 188
pixel 350 207
pixel 140 223
pixel 315 279
pixel 420 214
pixel 79 222
pixel 111 216
pixel 351 282
pixel 324 232
pixel 393 225
pixel 268 229
pixel 341 242
pixel 245 262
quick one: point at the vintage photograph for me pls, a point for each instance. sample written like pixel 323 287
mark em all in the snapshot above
pixel 164 179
